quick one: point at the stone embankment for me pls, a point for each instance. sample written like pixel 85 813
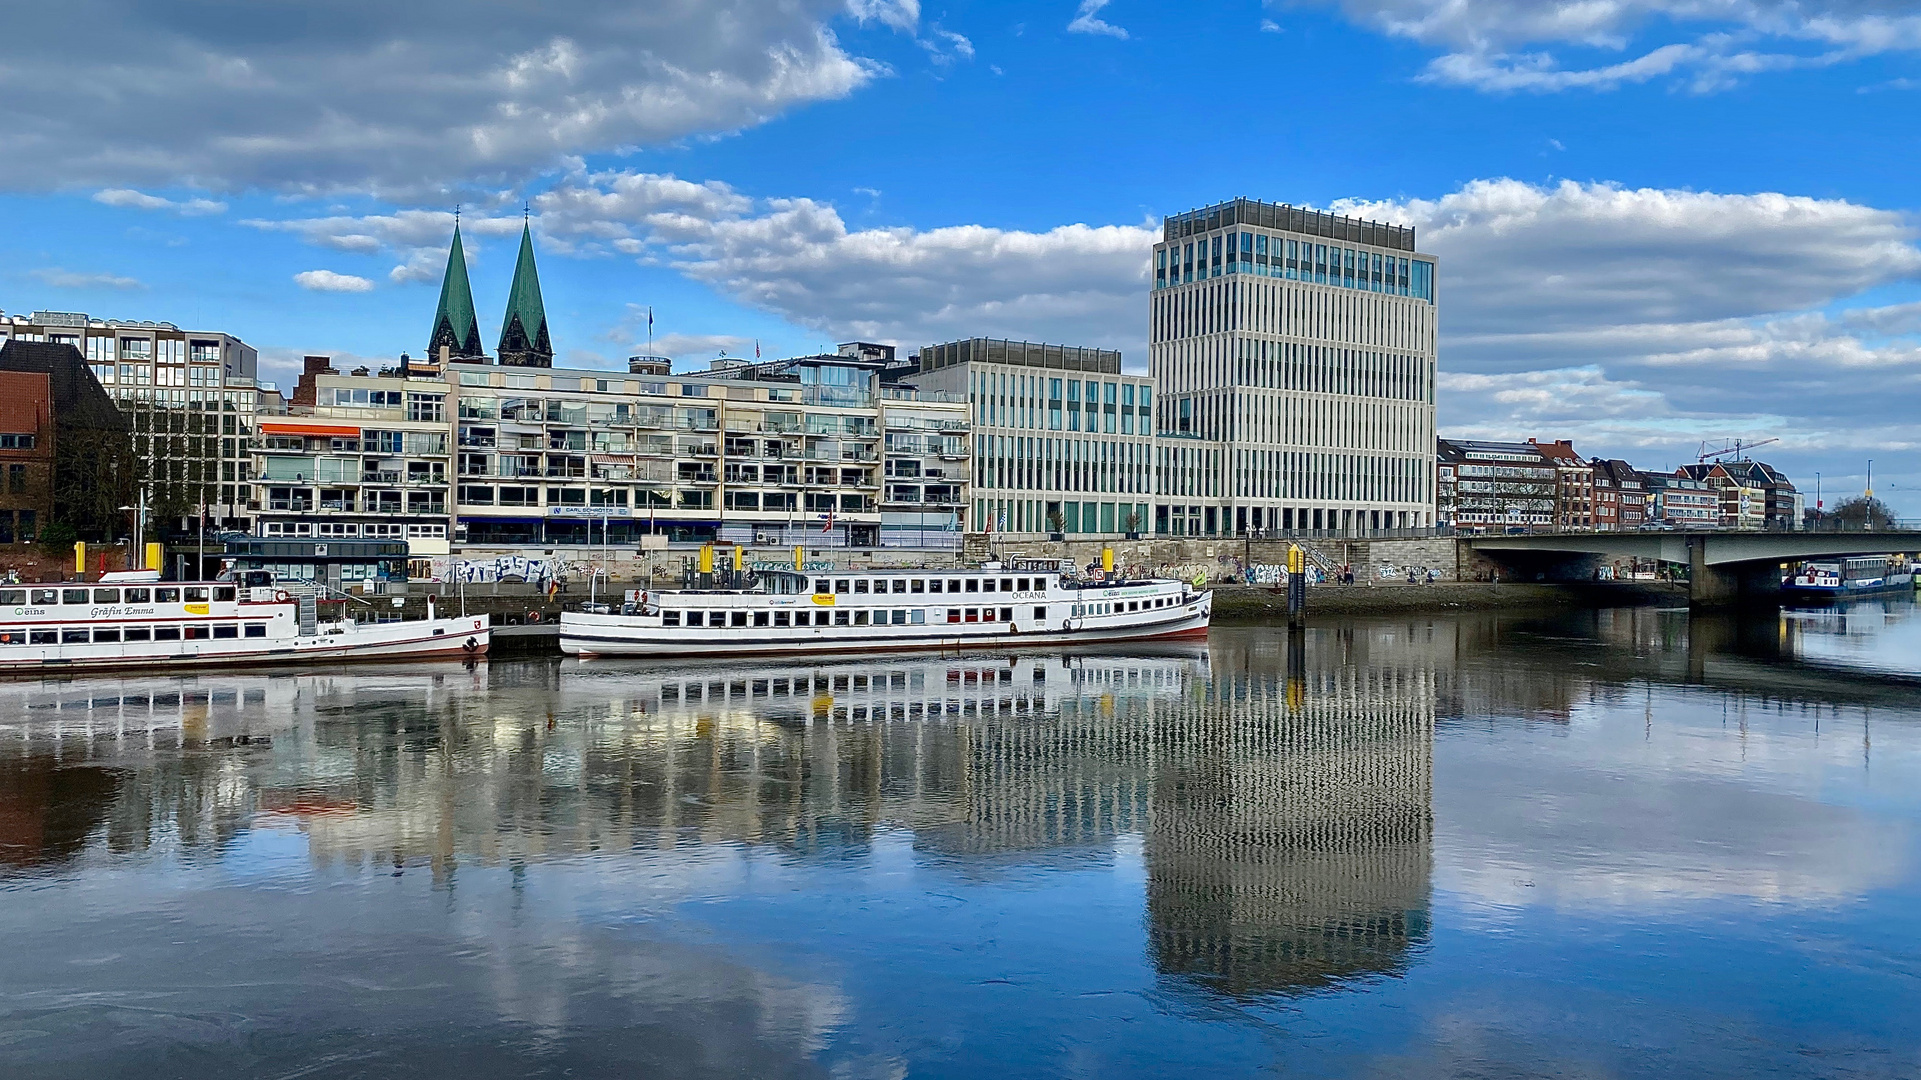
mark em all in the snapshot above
pixel 1242 603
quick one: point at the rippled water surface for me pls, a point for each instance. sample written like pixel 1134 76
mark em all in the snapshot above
pixel 1624 843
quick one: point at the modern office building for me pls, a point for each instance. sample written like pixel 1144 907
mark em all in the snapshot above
pixel 190 397
pixel 1296 350
pixel 1063 440
pixel 785 452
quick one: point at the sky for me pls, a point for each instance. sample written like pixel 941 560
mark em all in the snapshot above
pixel 1659 223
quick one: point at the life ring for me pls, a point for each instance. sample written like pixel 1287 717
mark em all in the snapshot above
pixel 471 645
pixel 432 599
pixel 282 596
pixel 533 616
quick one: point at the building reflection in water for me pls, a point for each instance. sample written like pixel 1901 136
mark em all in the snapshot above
pixel 1280 796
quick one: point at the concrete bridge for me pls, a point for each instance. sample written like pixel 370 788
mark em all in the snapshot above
pixel 1722 566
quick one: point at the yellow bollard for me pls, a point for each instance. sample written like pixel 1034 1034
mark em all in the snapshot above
pixel 740 558
pixel 797 559
pixel 706 558
pixel 153 558
pixel 79 556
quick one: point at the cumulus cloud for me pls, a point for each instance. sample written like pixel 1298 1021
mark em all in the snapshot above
pixel 1493 43
pixel 70 279
pixel 328 281
pixel 140 200
pixel 1087 20
pixel 380 97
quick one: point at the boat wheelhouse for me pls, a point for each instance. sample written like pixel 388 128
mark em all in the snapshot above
pixel 135 619
pixel 1859 576
pixel 1036 602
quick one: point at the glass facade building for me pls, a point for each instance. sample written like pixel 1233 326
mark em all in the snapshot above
pixel 1295 351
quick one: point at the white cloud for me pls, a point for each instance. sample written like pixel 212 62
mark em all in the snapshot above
pixel 139 200
pixel 1087 20
pixel 328 281
pixel 71 279
pixel 1719 41
pixel 421 97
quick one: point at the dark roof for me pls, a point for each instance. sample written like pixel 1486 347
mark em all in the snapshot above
pixel 78 399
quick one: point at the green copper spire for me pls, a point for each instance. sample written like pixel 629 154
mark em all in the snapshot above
pixel 454 324
pixel 523 333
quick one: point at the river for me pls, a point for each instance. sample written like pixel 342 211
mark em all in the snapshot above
pixel 1606 843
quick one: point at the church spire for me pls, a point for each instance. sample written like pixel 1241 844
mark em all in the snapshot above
pixel 455 327
pixel 523 333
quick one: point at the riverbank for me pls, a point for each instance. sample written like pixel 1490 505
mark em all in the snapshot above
pixel 1245 603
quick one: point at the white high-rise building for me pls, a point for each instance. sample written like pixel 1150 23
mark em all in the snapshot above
pixel 1295 351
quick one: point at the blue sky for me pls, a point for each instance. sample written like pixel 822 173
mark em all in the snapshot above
pixel 1659 221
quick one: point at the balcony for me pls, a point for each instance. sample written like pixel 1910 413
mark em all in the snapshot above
pixel 384 476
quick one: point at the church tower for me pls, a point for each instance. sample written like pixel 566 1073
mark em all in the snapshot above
pixel 455 328
pixel 523 333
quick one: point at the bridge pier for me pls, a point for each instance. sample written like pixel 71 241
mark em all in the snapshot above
pixel 1709 586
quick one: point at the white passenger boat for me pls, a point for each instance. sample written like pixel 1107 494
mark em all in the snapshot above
pixel 780 611
pixel 135 619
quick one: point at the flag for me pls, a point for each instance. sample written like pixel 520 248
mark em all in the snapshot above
pixel 650 318
pixel 756 348
pixel 829 526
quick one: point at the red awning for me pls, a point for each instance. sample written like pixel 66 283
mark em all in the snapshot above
pixel 308 427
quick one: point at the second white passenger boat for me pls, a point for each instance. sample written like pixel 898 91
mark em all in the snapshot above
pixel 783 611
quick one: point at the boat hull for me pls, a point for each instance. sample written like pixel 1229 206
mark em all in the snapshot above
pixel 588 635
pixel 419 639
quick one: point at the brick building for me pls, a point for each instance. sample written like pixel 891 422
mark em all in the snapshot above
pixel 71 443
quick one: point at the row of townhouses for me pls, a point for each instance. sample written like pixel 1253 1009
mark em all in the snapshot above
pixel 1495 486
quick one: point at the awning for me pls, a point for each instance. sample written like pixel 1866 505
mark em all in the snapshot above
pixel 309 428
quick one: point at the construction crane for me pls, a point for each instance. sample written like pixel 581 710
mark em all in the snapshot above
pixel 1736 450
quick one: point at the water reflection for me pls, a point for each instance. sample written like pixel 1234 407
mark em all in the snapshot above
pixel 856 866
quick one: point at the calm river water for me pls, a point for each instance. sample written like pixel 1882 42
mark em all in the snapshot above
pixel 1616 843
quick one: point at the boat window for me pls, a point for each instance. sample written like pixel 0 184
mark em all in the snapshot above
pixel 73 596
pixel 107 635
pixel 933 585
pixel 987 585
pixel 670 618
pixel 256 629
pixel 917 616
pixel 900 585
pixel 822 587
pixel 739 619
pixel 696 618
pixel 860 584
pixel 860 618
pixel 987 614
pixel 1040 614
pixel 760 618
pixel 953 614
pixel 1007 584
pixel 782 618
pixel 954 585
pixel 13 596
pixel 139 596
pixel 73 637
pixel 139 633
pixel 13 637
pixel 223 592
pixel 1025 585
pixel 44 596
pixel 196 594
pixel 195 633
pixel 106 596
pixel 1007 614
pixel 43 637
pixel 917 586
pixel 166 596
pixel 840 618
pixel 166 633
pixel 226 631
pixel 840 585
